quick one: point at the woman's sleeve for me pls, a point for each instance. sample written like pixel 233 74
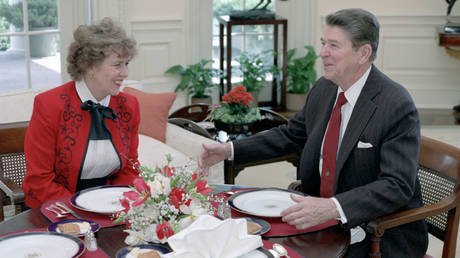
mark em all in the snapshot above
pixel 40 150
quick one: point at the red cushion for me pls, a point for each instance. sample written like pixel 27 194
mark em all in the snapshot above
pixel 154 109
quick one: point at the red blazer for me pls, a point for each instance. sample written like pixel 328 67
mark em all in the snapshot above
pixel 57 138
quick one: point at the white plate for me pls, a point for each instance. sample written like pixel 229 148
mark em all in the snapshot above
pixel 41 244
pixel 268 202
pixel 101 199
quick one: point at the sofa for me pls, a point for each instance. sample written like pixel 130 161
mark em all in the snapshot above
pixel 157 137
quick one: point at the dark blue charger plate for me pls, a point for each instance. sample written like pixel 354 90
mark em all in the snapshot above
pixel 122 253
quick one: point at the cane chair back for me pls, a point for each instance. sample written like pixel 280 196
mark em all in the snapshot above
pixel 439 173
pixel 12 165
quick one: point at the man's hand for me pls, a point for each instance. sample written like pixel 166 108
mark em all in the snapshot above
pixel 309 211
pixel 212 154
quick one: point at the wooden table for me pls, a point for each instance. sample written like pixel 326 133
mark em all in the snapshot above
pixel 331 242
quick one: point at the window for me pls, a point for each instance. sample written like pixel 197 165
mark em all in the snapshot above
pixel 29 44
pixel 254 39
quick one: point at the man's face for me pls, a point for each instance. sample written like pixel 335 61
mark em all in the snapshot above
pixel 341 62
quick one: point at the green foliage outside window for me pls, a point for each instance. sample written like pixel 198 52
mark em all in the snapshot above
pixel 42 13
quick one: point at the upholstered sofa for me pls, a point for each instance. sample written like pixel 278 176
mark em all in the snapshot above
pixel 180 143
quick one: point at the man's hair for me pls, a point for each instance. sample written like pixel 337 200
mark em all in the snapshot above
pixel 361 26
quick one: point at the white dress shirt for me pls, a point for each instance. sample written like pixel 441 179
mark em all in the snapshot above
pixel 101 157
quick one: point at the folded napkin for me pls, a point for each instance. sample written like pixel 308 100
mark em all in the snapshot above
pixel 209 237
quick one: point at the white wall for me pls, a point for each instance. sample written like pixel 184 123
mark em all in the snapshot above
pixel 176 32
pixel 179 32
pixel 409 51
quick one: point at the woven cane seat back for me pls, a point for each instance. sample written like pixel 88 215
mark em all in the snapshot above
pixel 13 166
pixel 435 186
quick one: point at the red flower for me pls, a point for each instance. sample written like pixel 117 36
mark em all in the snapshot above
pixel 138 197
pixel 238 95
pixel 202 187
pixel 164 230
pixel 177 196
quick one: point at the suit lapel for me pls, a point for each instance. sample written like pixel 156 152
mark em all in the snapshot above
pixel 362 112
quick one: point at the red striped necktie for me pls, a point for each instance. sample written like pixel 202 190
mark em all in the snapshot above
pixel 330 145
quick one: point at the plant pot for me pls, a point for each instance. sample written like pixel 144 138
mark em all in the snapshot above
pixel 42 45
pixel 295 102
pixel 244 128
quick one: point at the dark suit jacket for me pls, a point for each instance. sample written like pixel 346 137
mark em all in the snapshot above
pixel 369 182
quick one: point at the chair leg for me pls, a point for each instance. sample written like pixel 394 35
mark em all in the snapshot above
pixel 375 247
pixel 2 215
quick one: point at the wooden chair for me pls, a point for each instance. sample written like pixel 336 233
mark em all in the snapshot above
pixel 439 173
pixel 193 112
pixel 190 126
pixel 12 165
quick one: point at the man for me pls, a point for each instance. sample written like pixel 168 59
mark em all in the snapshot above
pixel 374 172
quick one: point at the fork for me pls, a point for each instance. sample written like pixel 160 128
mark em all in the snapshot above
pixel 58 214
pixel 63 206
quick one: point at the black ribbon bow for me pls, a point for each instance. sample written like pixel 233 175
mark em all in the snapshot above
pixel 98 112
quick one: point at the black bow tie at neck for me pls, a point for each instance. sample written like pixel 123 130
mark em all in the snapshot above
pixel 98 112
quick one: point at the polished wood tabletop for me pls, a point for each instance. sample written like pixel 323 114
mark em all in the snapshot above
pixel 330 242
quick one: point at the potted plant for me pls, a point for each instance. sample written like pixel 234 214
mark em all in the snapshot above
pixel 196 79
pixel 301 74
pixel 253 72
pixel 41 14
pixel 235 114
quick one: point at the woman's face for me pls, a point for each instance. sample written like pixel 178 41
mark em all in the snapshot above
pixel 107 77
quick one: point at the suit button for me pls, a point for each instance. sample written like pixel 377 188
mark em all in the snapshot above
pixel 327 173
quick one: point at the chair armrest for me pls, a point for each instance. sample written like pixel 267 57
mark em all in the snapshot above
pixel 378 226
pixel 190 144
pixel 295 186
pixel 11 189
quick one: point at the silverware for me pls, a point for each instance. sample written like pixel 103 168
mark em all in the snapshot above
pixel 274 253
pixel 58 214
pixel 280 250
pixel 67 209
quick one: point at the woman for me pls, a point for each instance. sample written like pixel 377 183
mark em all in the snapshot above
pixel 84 133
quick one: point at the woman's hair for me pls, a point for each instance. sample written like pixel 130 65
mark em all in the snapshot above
pixel 93 43
pixel 361 25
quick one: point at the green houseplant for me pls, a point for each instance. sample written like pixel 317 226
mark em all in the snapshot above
pixel 235 114
pixel 301 74
pixel 253 71
pixel 196 79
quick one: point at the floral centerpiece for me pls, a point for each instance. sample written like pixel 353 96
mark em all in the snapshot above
pixel 236 108
pixel 164 201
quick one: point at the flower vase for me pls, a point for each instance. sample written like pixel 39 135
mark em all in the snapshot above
pixel 243 128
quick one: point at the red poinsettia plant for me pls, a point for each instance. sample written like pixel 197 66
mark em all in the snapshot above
pixel 163 201
pixel 237 106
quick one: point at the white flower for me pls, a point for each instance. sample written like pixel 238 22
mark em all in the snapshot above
pixel 160 185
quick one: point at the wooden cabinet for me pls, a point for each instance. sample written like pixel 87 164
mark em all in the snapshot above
pixel 226 24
